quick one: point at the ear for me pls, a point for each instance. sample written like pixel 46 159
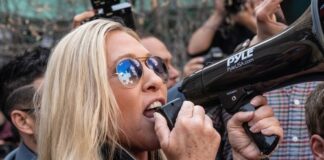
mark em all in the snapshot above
pixel 23 122
pixel 317 146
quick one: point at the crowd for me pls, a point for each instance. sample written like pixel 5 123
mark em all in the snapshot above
pixel 95 95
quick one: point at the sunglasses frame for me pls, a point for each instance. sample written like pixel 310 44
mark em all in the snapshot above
pixel 145 61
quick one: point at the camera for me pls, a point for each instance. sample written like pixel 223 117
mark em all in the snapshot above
pixel 234 6
pixel 115 10
pixel 213 55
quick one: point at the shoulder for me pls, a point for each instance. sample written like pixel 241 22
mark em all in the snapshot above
pixel 11 155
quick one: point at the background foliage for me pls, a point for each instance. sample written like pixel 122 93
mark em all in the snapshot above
pixel 26 23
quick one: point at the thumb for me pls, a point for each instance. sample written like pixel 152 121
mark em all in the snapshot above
pixel 161 129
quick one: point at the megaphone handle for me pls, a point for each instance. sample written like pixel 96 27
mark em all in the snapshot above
pixel 266 144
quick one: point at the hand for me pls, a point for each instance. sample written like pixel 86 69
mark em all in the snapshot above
pixel 78 19
pixel 246 17
pixel 193 65
pixel 267 25
pixel 220 7
pixel 262 120
pixel 246 12
pixel 193 136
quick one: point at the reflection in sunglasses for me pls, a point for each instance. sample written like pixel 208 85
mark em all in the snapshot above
pixel 125 78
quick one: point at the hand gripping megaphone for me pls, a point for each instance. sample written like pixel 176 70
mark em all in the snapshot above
pixel 293 56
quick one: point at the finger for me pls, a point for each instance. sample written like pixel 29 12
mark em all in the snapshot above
pixel 273 130
pixel 186 109
pixel 81 17
pixel 210 130
pixel 161 129
pixel 196 67
pixel 269 126
pixel 239 118
pixel 264 124
pixel 272 6
pixel 198 113
pixel 259 101
pixel 261 113
pixel 197 60
pixel 208 122
pixel 280 16
pixel 266 9
pixel 256 3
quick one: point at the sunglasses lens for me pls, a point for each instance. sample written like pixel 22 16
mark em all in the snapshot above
pixel 129 72
pixel 158 66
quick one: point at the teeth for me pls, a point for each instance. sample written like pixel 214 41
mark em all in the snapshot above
pixel 155 104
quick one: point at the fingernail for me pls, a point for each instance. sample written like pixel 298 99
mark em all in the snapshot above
pixel 254 101
pixel 253 129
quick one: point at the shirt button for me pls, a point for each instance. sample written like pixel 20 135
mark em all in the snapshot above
pixel 294 138
pixel 296 102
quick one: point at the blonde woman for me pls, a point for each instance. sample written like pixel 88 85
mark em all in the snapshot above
pixel 99 96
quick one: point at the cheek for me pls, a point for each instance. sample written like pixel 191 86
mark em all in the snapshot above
pixel 129 102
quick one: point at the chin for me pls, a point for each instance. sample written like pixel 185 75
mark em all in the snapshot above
pixel 152 142
pixel 145 144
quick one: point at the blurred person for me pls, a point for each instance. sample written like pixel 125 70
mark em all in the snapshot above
pixel 9 138
pixel 215 32
pixel 20 79
pixel 97 88
pixel 314 117
pixel 222 32
pixel 158 48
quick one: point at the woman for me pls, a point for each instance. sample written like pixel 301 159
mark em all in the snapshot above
pixel 99 96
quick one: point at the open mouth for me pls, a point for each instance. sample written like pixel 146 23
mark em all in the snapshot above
pixel 152 108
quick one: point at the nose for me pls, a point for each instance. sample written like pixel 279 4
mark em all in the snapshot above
pixel 151 81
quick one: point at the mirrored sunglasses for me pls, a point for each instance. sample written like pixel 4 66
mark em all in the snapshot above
pixel 130 70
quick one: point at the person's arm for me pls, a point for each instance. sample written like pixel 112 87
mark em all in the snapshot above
pixel 202 38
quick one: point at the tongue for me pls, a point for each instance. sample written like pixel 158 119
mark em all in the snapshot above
pixel 149 113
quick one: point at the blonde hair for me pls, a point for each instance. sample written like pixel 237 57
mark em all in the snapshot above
pixel 78 110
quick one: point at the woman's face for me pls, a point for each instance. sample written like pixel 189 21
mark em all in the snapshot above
pixel 137 120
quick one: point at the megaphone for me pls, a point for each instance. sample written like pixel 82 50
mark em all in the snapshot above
pixel 293 56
